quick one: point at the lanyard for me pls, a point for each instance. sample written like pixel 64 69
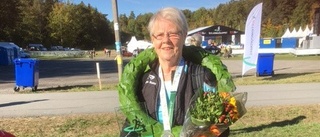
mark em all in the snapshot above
pixel 163 98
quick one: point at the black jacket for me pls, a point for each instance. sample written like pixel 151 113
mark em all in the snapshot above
pixel 191 80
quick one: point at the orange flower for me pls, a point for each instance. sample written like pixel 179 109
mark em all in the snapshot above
pixel 214 129
pixel 224 94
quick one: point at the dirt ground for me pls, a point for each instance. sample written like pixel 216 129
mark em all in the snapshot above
pixel 83 72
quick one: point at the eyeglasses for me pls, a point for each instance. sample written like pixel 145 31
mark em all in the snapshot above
pixel 171 35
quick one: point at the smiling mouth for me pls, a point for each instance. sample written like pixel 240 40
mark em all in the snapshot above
pixel 167 48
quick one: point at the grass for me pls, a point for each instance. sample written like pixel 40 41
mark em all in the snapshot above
pixel 104 87
pixel 275 121
pixel 279 121
pixel 279 79
pixel 70 125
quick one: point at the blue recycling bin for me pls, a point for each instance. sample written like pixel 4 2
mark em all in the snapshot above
pixel 26 73
pixel 265 64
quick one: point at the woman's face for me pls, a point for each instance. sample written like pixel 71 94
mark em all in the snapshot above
pixel 167 40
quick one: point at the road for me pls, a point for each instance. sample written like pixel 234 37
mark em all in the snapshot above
pixel 18 105
pixel 69 73
pixel 82 72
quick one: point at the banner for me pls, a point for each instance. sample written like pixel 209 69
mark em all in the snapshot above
pixel 252 38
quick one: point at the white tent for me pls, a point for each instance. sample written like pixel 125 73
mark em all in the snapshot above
pixel 293 33
pixel 137 44
pixel 300 33
pixel 311 31
pixel 286 34
pixel 307 31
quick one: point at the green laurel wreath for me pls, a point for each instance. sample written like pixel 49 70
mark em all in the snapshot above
pixel 135 69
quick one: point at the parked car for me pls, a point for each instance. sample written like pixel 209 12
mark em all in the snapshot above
pixel 56 48
pixel 36 47
pixel 24 54
pixel 75 49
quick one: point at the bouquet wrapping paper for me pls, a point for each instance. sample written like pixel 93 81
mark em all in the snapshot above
pixel 211 113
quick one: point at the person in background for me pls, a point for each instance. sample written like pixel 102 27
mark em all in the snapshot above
pixel 92 53
pixel 229 50
pixel 109 52
pixel 215 49
pixel 212 47
pixel 106 52
pixel 209 46
pixel 135 52
pixel 189 40
pixel 170 76
pixel 224 51
pixel 196 40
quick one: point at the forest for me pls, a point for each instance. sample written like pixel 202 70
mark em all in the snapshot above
pixel 54 22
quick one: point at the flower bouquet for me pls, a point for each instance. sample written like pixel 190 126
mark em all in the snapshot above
pixel 211 113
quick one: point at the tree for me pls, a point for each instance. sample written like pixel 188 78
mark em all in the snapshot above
pixel 269 30
pixel 220 14
pixel 281 14
pixel 131 24
pixel 123 22
pixel 61 26
pixel 79 26
pixel 201 16
pixel 142 22
pixel 9 16
pixel 236 15
pixel 188 15
pixel 32 21
pixel 300 15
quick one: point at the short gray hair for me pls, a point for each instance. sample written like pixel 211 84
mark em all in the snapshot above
pixel 197 39
pixel 172 14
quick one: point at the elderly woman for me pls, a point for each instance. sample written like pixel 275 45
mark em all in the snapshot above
pixel 166 81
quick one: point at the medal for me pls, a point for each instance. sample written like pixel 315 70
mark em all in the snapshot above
pixel 167 133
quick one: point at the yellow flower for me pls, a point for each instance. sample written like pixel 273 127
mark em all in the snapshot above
pixel 235 115
pixel 233 101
